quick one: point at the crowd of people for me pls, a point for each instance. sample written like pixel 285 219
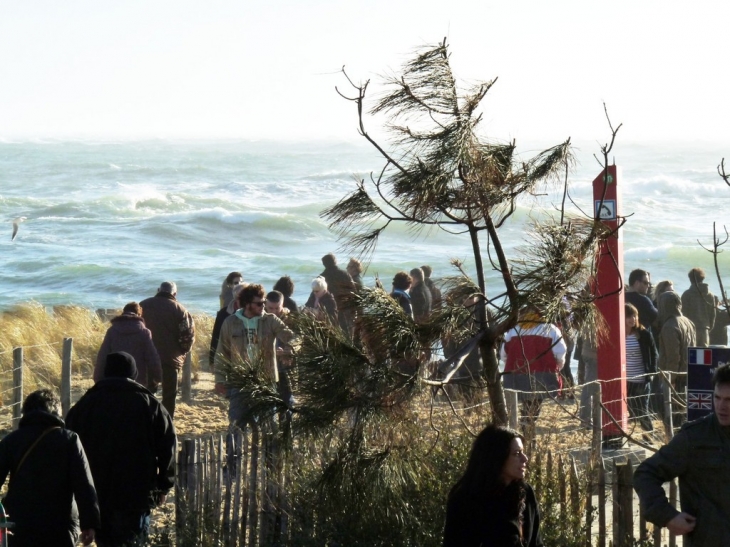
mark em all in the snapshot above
pixel 98 475
pixel 118 441
pixel 660 325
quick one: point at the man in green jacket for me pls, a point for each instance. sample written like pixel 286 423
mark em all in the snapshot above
pixel 700 456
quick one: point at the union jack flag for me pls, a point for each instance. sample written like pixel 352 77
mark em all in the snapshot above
pixel 698 400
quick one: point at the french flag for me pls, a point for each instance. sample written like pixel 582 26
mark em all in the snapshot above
pixel 700 356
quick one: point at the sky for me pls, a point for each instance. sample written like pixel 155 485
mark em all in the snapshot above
pixel 268 70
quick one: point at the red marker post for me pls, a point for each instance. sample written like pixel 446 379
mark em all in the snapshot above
pixel 610 301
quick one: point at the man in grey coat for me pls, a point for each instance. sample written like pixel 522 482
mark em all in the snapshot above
pixel 698 455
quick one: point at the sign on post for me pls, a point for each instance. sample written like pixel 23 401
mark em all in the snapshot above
pixel 608 288
pixel 702 363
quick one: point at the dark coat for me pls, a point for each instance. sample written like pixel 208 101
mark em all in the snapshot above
pixel 421 302
pixel 130 441
pixel 170 323
pixel 129 333
pixel 290 304
pixel 677 334
pixel 339 283
pixel 698 305
pixel 718 334
pixel 698 456
pixel 649 353
pixel 486 523
pixel 221 316
pixel 327 306
pixel 647 312
pixel 40 498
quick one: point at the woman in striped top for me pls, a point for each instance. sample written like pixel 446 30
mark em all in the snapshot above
pixel 641 359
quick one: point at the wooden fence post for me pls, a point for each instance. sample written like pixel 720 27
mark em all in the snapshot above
pixel 601 503
pixel 68 346
pixel 624 504
pixel 187 379
pixel 667 392
pixel 229 529
pixel 574 488
pixel 513 408
pixel 592 484
pixel 17 385
pixel 563 489
pixel 597 418
pixel 180 484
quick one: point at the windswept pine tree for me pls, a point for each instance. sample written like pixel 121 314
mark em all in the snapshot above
pixel 371 462
pixel 439 171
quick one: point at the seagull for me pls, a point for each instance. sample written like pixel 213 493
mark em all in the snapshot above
pixel 16 224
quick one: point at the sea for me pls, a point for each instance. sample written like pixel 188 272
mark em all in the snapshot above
pixel 107 221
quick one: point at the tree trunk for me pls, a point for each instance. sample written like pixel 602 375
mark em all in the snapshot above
pixel 494 383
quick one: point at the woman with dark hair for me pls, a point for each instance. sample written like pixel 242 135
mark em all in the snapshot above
pixel 491 504
pixel 285 286
pixel 402 282
pixel 129 333
pixel 641 359
pixel 232 279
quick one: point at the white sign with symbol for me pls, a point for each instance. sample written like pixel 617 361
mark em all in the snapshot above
pixel 607 209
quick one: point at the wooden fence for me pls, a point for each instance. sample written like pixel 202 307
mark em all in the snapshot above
pixel 232 491
pixel 226 496
pixel 18 390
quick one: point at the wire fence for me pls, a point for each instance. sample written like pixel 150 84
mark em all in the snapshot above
pixel 234 487
pixel 17 380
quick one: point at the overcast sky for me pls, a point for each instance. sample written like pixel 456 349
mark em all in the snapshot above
pixel 225 68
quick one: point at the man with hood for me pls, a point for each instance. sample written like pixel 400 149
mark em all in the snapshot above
pixel 51 490
pixel 130 442
pixel 677 334
pixel 698 305
pixel 341 286
pixel 129 333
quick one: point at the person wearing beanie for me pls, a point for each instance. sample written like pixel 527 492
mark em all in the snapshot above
pixel 130 443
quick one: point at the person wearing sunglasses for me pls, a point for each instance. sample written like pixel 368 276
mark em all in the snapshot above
pixel 248 338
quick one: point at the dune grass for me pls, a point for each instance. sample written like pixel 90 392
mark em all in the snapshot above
pixel 40 331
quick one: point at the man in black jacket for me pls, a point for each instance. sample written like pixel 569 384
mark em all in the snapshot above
pixel 697 455
pixel 130 441
pixel 48 470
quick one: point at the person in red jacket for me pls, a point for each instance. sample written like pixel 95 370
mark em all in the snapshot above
pixel 533 352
